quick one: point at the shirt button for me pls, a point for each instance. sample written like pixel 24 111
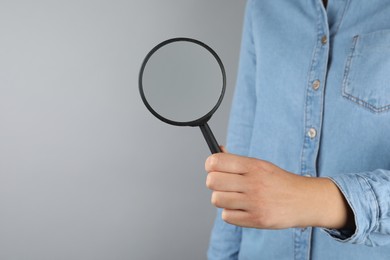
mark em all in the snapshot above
pixel 316 84
pixel 324 39
pixel 307 175
pixel 312 133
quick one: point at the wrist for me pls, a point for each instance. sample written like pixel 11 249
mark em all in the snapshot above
pixel 329 208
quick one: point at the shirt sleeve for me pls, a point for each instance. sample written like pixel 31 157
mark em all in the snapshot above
pixel 225 238
pixel 368 195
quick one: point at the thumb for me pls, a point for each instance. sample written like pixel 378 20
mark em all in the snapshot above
pixel 223 149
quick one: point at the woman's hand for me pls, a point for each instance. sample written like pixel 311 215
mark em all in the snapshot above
pixel 256 193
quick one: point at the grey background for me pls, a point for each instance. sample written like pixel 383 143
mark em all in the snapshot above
pixel 86 172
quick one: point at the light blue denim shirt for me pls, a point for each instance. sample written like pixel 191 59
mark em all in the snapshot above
pixel 313 97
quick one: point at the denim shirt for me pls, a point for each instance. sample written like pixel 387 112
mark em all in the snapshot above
pixel 313 97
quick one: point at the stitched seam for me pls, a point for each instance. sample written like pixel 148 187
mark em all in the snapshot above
pixel 314 59
pixel 252 41
pixel 348 66
pixel 364 104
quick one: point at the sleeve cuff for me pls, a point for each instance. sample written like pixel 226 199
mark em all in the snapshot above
pixel 362 200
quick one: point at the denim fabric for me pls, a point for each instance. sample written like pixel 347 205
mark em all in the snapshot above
pixel 313 97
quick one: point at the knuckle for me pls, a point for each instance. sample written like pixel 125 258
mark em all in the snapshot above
pixel 215 199
pixel 262 220
pixel 265 166
pixel 225 216
pixel 211 162
pixel 206 164
pixel 210 181
pixel 259 164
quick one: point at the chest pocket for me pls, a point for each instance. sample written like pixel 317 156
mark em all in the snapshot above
pixel 367 72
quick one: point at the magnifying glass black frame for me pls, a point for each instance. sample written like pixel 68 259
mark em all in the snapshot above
pixel 202 121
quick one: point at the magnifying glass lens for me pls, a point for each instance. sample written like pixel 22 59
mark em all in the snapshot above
pixel 182 82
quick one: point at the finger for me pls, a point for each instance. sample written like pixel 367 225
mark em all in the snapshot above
pixel 219 181
pixel 229 200
pixel 229 163
pixel 236 217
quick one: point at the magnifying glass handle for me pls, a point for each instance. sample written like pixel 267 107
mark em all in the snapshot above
pixel 210 139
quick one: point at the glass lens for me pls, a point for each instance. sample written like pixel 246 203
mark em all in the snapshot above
pixel 182 81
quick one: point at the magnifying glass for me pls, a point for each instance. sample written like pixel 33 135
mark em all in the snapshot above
pixel 182 82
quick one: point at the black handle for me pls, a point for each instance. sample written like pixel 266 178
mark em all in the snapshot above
pixel 210 139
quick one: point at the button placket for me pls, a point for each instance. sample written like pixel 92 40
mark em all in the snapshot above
pixel 312 125
pixel 314 102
